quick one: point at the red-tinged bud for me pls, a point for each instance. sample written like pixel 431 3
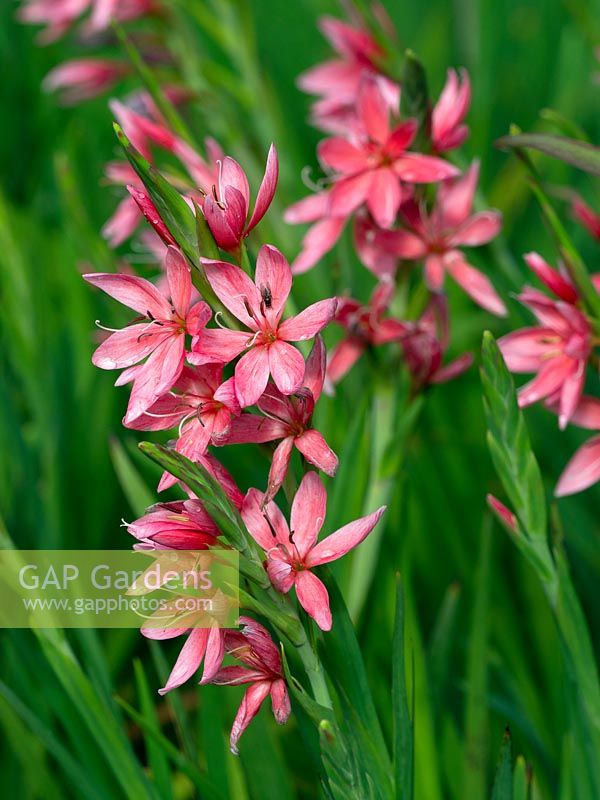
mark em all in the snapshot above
pixel 150 212
pixel 503 514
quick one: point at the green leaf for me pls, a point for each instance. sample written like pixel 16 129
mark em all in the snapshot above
pixel 157 757
pixel 503 782
pixel 134 488
pixel 579 154
pixel 403 726
pixel 521 779
pixel 414 99
pixel 171 206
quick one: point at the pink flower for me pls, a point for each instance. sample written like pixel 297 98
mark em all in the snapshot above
pixel 365 327
pixel 83 78
pixel 557 350
pixel 202 644
pixel 56 15
pixel 160 337
pixel 146 206
pixel 338 80
pixel 425 344
pixel 371 167
pixel 321 237
pixel 583 470
pixel 259 306
pixel 253 646
pixel 201 405
pixel 447 129
pixel 588 218
pixel 292 554
pixel 180 525
pixel 437 236
pixel 289 418
pixel 226 209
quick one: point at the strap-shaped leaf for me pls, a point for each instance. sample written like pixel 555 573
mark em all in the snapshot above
pixel 579 154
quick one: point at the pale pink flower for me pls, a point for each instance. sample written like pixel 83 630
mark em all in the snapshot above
pixel 447 129
pixel 425 343
pixel 557 349
pixel 201 404
pixel 253 646
pixel 583 470
pixel 370 168
pixel 259 306
pixel 226 208
pixel 180 525
pixel 293 551
pixel 56 15
pixel 83 78
pixel 160 338
pixel 436 237
pixel 289 418
pixel 365 326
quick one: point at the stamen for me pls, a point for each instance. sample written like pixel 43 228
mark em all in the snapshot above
pixel 98 324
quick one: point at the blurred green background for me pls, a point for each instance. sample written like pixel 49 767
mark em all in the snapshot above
pixel 486 654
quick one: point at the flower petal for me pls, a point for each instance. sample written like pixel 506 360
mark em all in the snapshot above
pixel 255 518
pixel 314 599
pixel 252 374
pixel 308 512
pixel 477 285
pixel 286 366
pixel 348 194
pixel 249 707
pixel 218 346
pixel 234 289
pixel 156 376
pixel 342 156
pixel 309 322
pixel 266 191
pixel 477 230
pixel 315 450
pixel 384 197
pixel 279 466
pixel 134 292
pixel 179 280
pixel 273 279
pixel 318 241
pixel 417 168
pixel 189 659
pixel 343 540
pixel 582 471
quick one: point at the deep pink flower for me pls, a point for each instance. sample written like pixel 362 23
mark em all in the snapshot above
pixel 425 343
pixel 253 646
pixel 365 326
pixel 320 237
pixel 259 306
pixel 370 167
pixel 160 337
pixel 146 206
pixel 447 128
pixel 226 209
pixel 83 78
pixel 203 407
pixel 180 525
pixel 557 350
pixel 292 551
pixel 289 418
pixel 436 237
pixel 583 470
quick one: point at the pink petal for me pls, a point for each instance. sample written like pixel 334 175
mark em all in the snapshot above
pixel 582 471
pixel 416 168
pixel 134 292
pixel 401 138
pixel 266 191
pixel 434 272
pixel 343 358
pixel 280 700
pixel 221 223
pixel 475 284
pixel 215 651
pixel 250 428
pixel 180 281
pixel 558 285
pixel 122 223
pixel 279 466
pixel 280 571
pixel 504 514
pixel 234 289
pixel 197 317
pixel 526 349
pixel 349 193
pixel 156 376
pixel 273 278
pixel 316 451
pixel 342 156
pixel 255 519
pixel 314 599
pixel 453 369
pixel 343 540
pixel 218 345
pixel 308 512
pixel 455 197
pixel 252 374
pixel 570 394
pixel 314 373
pixel 309 209
pixel 319 240
pixel 150 212
pixel 127 347
pixel 286 366
pixel 309 322
pixel 477 230
pixel 325 77
pixel 251 702
pixel 189 659
pixel 549 379
pixel 373 111
pixel 587 413
pixel 384 197
pixel 233 175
